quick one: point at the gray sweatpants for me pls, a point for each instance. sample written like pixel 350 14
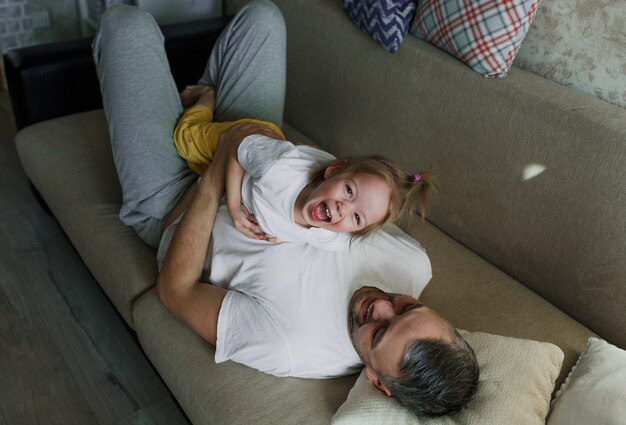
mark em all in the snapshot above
pixel 142 105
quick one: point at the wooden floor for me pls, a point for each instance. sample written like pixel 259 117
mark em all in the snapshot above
pixel 66 356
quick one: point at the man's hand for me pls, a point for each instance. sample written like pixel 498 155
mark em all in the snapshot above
pixel 273 239
pixel 233 137
pixel 245 222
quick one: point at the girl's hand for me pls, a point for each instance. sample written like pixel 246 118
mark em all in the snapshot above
pixel 245 222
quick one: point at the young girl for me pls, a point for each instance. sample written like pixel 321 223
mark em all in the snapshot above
pixel 285 193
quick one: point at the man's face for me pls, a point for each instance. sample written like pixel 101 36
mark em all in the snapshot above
pixel 382 325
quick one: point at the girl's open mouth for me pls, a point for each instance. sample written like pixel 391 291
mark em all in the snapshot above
pixel 321 212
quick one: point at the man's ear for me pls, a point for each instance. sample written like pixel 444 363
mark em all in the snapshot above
pixel 374 379
pixel 335 166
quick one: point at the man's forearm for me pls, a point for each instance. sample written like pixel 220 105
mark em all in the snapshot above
pixel 178 283
pixel 188 249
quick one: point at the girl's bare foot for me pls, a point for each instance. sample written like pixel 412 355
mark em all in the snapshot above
pixel 190 95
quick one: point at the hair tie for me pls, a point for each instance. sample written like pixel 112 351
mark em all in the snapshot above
pixel 416 177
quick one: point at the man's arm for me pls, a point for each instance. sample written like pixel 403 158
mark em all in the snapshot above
pixel 178 284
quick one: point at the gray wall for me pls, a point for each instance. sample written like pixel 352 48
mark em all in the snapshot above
pixel 15 24
pixel 26 22
pixel 64 23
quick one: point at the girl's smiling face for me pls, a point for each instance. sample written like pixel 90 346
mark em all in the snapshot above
pixel 343 202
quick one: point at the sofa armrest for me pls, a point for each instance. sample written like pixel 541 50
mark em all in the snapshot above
pixel 56 79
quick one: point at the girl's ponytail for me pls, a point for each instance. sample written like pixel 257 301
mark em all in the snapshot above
pixel 417 191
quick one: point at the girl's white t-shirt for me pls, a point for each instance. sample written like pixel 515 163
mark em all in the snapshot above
pixel 276 173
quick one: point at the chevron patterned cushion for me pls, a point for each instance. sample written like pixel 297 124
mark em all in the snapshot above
pixel 387 21
pixel 485 34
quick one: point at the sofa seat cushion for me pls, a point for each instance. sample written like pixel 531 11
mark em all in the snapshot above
pixel 69 161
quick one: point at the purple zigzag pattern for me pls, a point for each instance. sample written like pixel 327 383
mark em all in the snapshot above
pixel 385 20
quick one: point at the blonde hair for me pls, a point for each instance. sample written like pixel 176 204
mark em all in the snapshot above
pixel 410 192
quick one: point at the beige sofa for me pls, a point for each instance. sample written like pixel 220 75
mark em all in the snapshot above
pixel 540 257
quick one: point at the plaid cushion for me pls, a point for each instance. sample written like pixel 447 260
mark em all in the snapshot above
pixel 387 21
pixel 485 34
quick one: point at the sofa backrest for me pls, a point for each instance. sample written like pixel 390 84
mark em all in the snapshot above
pixel 532 175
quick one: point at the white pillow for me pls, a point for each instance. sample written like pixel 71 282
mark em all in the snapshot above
pixel 516 382
pixel 595 390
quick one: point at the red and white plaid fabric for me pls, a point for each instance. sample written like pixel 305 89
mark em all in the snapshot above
pixel 485 34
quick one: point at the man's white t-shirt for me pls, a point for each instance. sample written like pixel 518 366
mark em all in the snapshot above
pixel 276 173
pixel 287 309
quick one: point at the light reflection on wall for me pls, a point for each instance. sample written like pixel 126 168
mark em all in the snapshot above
pixel 532 171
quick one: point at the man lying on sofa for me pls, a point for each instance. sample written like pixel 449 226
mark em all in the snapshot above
pixel 285 309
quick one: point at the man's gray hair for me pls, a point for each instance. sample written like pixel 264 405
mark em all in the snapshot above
pixel 435 377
